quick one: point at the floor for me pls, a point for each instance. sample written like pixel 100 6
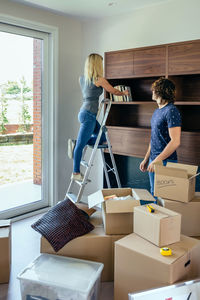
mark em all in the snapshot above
pixel 19 190
pixel 25 248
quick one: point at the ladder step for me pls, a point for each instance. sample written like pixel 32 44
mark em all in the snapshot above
pixel 81 182
pixel 84 163
pixel 73 198
pixel 103 146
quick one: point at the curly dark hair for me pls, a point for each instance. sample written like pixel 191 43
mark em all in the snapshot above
pixel 165 89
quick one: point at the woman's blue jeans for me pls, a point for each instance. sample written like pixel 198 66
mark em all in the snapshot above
pixel 152 174
pixel 87 135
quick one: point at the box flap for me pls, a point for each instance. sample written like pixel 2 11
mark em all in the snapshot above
pixel 168 171
pixel 98 197
pixel 144 247
pixel 95 199
pixel 121 206
pixel 195 175
pixel 4 223
pixel 191 170
pixel 142 194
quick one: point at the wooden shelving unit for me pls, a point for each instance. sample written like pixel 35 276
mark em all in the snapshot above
pixel 129 122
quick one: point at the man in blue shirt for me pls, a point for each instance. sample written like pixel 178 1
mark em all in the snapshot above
pixel 165 128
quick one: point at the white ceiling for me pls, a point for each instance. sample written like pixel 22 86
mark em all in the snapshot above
pixel 91 8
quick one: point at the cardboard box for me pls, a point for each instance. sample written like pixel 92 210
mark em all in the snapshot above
pixel 190 221
pixel 95 246
pixel 5 257
pixel 117 214
pixel 163 227
pixel 175 181
pixel 143 196
pixel 140 266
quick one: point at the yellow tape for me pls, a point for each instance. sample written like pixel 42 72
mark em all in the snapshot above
pixel 165 251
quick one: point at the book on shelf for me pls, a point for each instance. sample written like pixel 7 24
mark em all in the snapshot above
pixel 123 98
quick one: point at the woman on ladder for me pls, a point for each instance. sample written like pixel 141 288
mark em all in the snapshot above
pixel 92 85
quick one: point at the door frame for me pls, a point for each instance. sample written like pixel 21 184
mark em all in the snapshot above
pixel 49 35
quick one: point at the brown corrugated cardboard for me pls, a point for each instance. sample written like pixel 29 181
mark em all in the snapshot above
pixel 175 181
pixel 95 246
pixel 143 195
pixel 4 251
pixel 140 266
pixel 163 227
pixel 190 221
pixel 98 197
pixel 117 214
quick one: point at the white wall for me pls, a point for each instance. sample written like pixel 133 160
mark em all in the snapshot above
pixel 70 48
pixel 173 21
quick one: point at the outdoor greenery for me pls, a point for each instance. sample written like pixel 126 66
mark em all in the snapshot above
pixel 14 88
pixel 19 91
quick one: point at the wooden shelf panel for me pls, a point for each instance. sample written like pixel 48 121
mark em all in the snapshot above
pixel 187 103
pixel 151 102
pixel 134 142
pixel 131 102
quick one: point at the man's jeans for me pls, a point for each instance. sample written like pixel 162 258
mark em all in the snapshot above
pixel 87 135
pixel 152 174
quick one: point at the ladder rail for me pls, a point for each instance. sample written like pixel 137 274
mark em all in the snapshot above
pixel 90 162
pixel 113 162
pixel 105 169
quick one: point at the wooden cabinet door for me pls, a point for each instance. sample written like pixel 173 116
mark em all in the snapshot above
pixel 129 141
pixel 184 58
pixel 149 62
pixel 119 64
pixel 189 150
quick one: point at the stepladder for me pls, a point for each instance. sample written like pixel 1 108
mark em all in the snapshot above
pixel 79 186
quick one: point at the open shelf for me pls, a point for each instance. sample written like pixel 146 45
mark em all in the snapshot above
pixel 187 88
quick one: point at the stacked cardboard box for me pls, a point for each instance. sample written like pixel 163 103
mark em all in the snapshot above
pixel 118 214
pixel 161 228
pixel 5 257
pixel 139 264
pixel 98 245
pixel 190 212
pixel 95 246
pixel 175 181
pixel 175 187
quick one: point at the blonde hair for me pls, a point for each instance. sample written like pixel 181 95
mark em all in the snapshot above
pixel 93 67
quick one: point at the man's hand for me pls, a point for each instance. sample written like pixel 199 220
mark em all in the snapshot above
pixel 151 167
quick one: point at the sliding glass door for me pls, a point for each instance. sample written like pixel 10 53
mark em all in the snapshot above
pixel 26 136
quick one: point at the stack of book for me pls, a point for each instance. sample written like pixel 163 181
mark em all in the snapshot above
pixel 123 98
